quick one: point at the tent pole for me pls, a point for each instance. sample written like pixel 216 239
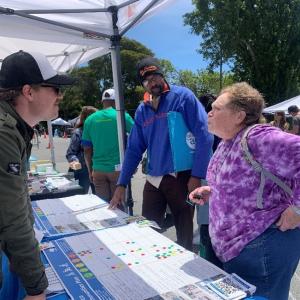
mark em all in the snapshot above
pixel 51 144
pixel 115 60
pixel 117 79
pixel 139 16
pixel 120 108
pixel 9 11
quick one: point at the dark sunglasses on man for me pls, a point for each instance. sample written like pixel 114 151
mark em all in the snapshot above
pixel 56 88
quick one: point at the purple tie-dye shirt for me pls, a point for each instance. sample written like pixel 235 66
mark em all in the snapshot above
pixel 234 217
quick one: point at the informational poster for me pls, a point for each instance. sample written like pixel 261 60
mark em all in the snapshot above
pixel 129 262
pixel 75 214
pixel 123 260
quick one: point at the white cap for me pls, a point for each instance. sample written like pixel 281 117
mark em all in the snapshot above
pixel 108 95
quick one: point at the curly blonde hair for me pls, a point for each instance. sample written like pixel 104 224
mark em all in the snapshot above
pixel 246 98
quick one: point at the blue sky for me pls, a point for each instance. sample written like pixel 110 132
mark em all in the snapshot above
pixel 165 34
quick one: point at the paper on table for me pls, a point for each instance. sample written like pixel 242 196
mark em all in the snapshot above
pixel 38 234
pixel 58 182
pixel 131 262
pixel 76 214
pixel 53 281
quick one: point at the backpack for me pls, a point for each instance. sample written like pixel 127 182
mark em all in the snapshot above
pixel 260 169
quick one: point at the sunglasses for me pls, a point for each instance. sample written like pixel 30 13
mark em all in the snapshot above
pixel 57 89
pixel 150 79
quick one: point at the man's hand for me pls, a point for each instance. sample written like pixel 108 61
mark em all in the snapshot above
pixel 200 195
pixel 289 219
pixel 37 297
pixel 193 183
pixel 118 197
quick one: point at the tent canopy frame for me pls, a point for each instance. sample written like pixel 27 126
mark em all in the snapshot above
pixel 114 39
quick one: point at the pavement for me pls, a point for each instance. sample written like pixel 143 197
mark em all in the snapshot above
pixel 41 152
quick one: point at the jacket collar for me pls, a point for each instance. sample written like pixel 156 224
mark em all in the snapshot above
pixel 25 130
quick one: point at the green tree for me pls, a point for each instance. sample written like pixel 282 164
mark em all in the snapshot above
pixel 259 37
pixel 94 78
pixel 203 82
pixel 131 52
pixel 84 92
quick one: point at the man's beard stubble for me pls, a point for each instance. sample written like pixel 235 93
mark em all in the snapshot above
pixel 157 90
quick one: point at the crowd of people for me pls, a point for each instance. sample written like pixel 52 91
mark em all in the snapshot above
pixel 291 126
pixel 244 180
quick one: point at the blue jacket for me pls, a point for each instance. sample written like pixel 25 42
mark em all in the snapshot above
pixel 75 150
pixel 150 132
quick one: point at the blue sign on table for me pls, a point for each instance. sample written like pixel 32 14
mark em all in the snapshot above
pixel 79 281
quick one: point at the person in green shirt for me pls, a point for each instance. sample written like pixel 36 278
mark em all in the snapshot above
pixel 101 146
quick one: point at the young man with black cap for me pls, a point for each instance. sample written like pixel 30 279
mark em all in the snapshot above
pixel 29 93
pixel 151 133
pixel 101 146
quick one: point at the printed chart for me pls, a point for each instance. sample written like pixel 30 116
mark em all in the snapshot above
pixel 75 214
pixel 128 262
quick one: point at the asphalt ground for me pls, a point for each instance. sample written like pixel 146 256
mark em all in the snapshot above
pixel 42 152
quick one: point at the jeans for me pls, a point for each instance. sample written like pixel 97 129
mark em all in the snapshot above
pixel 206 249
pixel 269 262
pixel 83 178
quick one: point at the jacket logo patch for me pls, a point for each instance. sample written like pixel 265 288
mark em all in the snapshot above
pixel 14 168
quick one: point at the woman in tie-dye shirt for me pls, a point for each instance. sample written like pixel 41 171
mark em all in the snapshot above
pixel 256 236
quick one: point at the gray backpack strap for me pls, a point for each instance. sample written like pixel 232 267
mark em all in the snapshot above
pixel 260 169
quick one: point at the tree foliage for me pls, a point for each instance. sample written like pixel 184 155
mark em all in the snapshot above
pixel 84 92
pixel 200 82
pixel 260 38
pixel 96 77
pixel 203 82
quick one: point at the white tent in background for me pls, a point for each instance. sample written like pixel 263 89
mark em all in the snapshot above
pixel 74 121
pixel 60 121
pixel 283 106
pixel 72 32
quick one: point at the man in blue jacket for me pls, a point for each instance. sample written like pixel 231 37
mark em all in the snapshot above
pixel 150 132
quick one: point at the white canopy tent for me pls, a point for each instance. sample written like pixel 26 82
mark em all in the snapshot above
pixel 283 106
pixel 72 32
pixel 69 32
pixel 61 122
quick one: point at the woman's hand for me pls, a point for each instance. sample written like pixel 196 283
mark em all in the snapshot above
pixel 200 195
pixel 289 219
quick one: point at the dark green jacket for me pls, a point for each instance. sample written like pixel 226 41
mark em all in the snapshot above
pixel 16 219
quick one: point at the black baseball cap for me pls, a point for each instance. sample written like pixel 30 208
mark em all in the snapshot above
pixel 147 66
pixel 22 68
